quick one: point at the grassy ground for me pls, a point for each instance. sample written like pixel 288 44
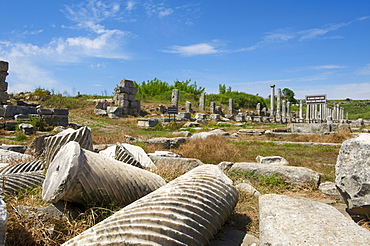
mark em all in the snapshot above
pixel 25 230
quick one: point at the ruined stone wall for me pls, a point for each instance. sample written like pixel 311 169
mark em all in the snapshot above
pixel 125 97
pixel 3 85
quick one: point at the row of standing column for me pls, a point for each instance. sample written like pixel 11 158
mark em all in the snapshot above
pixel 321 112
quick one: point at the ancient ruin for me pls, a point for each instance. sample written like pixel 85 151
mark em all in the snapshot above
pixel 125 98
pixel 3 84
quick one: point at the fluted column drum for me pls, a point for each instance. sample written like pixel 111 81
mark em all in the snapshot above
pixel 82 176
pixel 187 211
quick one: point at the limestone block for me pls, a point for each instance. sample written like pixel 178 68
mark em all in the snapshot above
pixel 147 122
pixel 17 148
pixel 102 105
pixel 204 135
pixel 2 110
pixel 3 85
pixel 114 110
pixel 31 166
pixel 60 111
pixel 272 160
pixel 84 177
pixel 54 143
pixel 10 125
pixel 21 117
pixel 200 116
pixel 14 182
pixel 291 174
pixel 133 155
pixel 329 188
pixel 290 221
pixel 240 117
pixel 56 120
pixel 7 156
pixel 26 128
pixel 254 132
pixel 184 115
pixel 37 146
pixel 101 112
pixel 45 111
pixel 4 66
pixel 127 83
pixel 159 153
pixel 176 164
pixel 248 188
pixel 167 143
pixel 215 117
pixel 309 128
pixel 187 211
pixel 11 110
pixel 352 172
pixel 3 221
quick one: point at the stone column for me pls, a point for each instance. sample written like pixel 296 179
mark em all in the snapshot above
pixel 3 85
pixel 231 106
pixel 338 112
pixel 300 109
pixel 278 103
pixel 175 98
pixel 258 109
pixel 288 109
pixel 272 98
pixel 188 107
pixel 283 109
pixel 315 112
pixel 212 108
pixel 202 102
pixel 308 113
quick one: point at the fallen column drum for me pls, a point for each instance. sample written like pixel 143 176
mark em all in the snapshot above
pixel 187 211
pixel 84 177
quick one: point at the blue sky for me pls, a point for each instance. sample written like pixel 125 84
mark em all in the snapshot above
pixel 312 47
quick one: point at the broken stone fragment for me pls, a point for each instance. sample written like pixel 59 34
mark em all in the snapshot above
pixel 54 143
pixel 187 211
pixel 352 173
pixel 84 177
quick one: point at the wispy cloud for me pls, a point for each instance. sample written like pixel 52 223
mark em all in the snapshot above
pixel 364 70
pixel 285 35
pixel 157 9
pixel 194 49
pixel 28 60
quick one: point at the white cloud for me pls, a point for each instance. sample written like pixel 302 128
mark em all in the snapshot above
pixel 130 5
pixel 192 50
pixel 158 10
pixel 364 70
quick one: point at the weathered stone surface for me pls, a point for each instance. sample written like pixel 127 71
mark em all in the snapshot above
pixel 101 112
pixel 32 166
pixel 7 156
pixel 204 135
pixel 310 128
pixel 10 125
pixel 54 143
pixel 11 110
pixel 147 122
pixel 329 188
pixel 254 132
pixel 133 155
pixel 176 164
pixel 12 183
pixel 37 146
pixel 289 221
pixel 248 188
pixel 167 143
pixel 352 172
pixel 187 211
pixel 17 148
pixel 272 160
pixel 292 175
pixel 26 128
pixel 159 153
pixel 200 116
pixel 84 177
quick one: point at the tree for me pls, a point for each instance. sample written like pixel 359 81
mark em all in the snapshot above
pixel 288 94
